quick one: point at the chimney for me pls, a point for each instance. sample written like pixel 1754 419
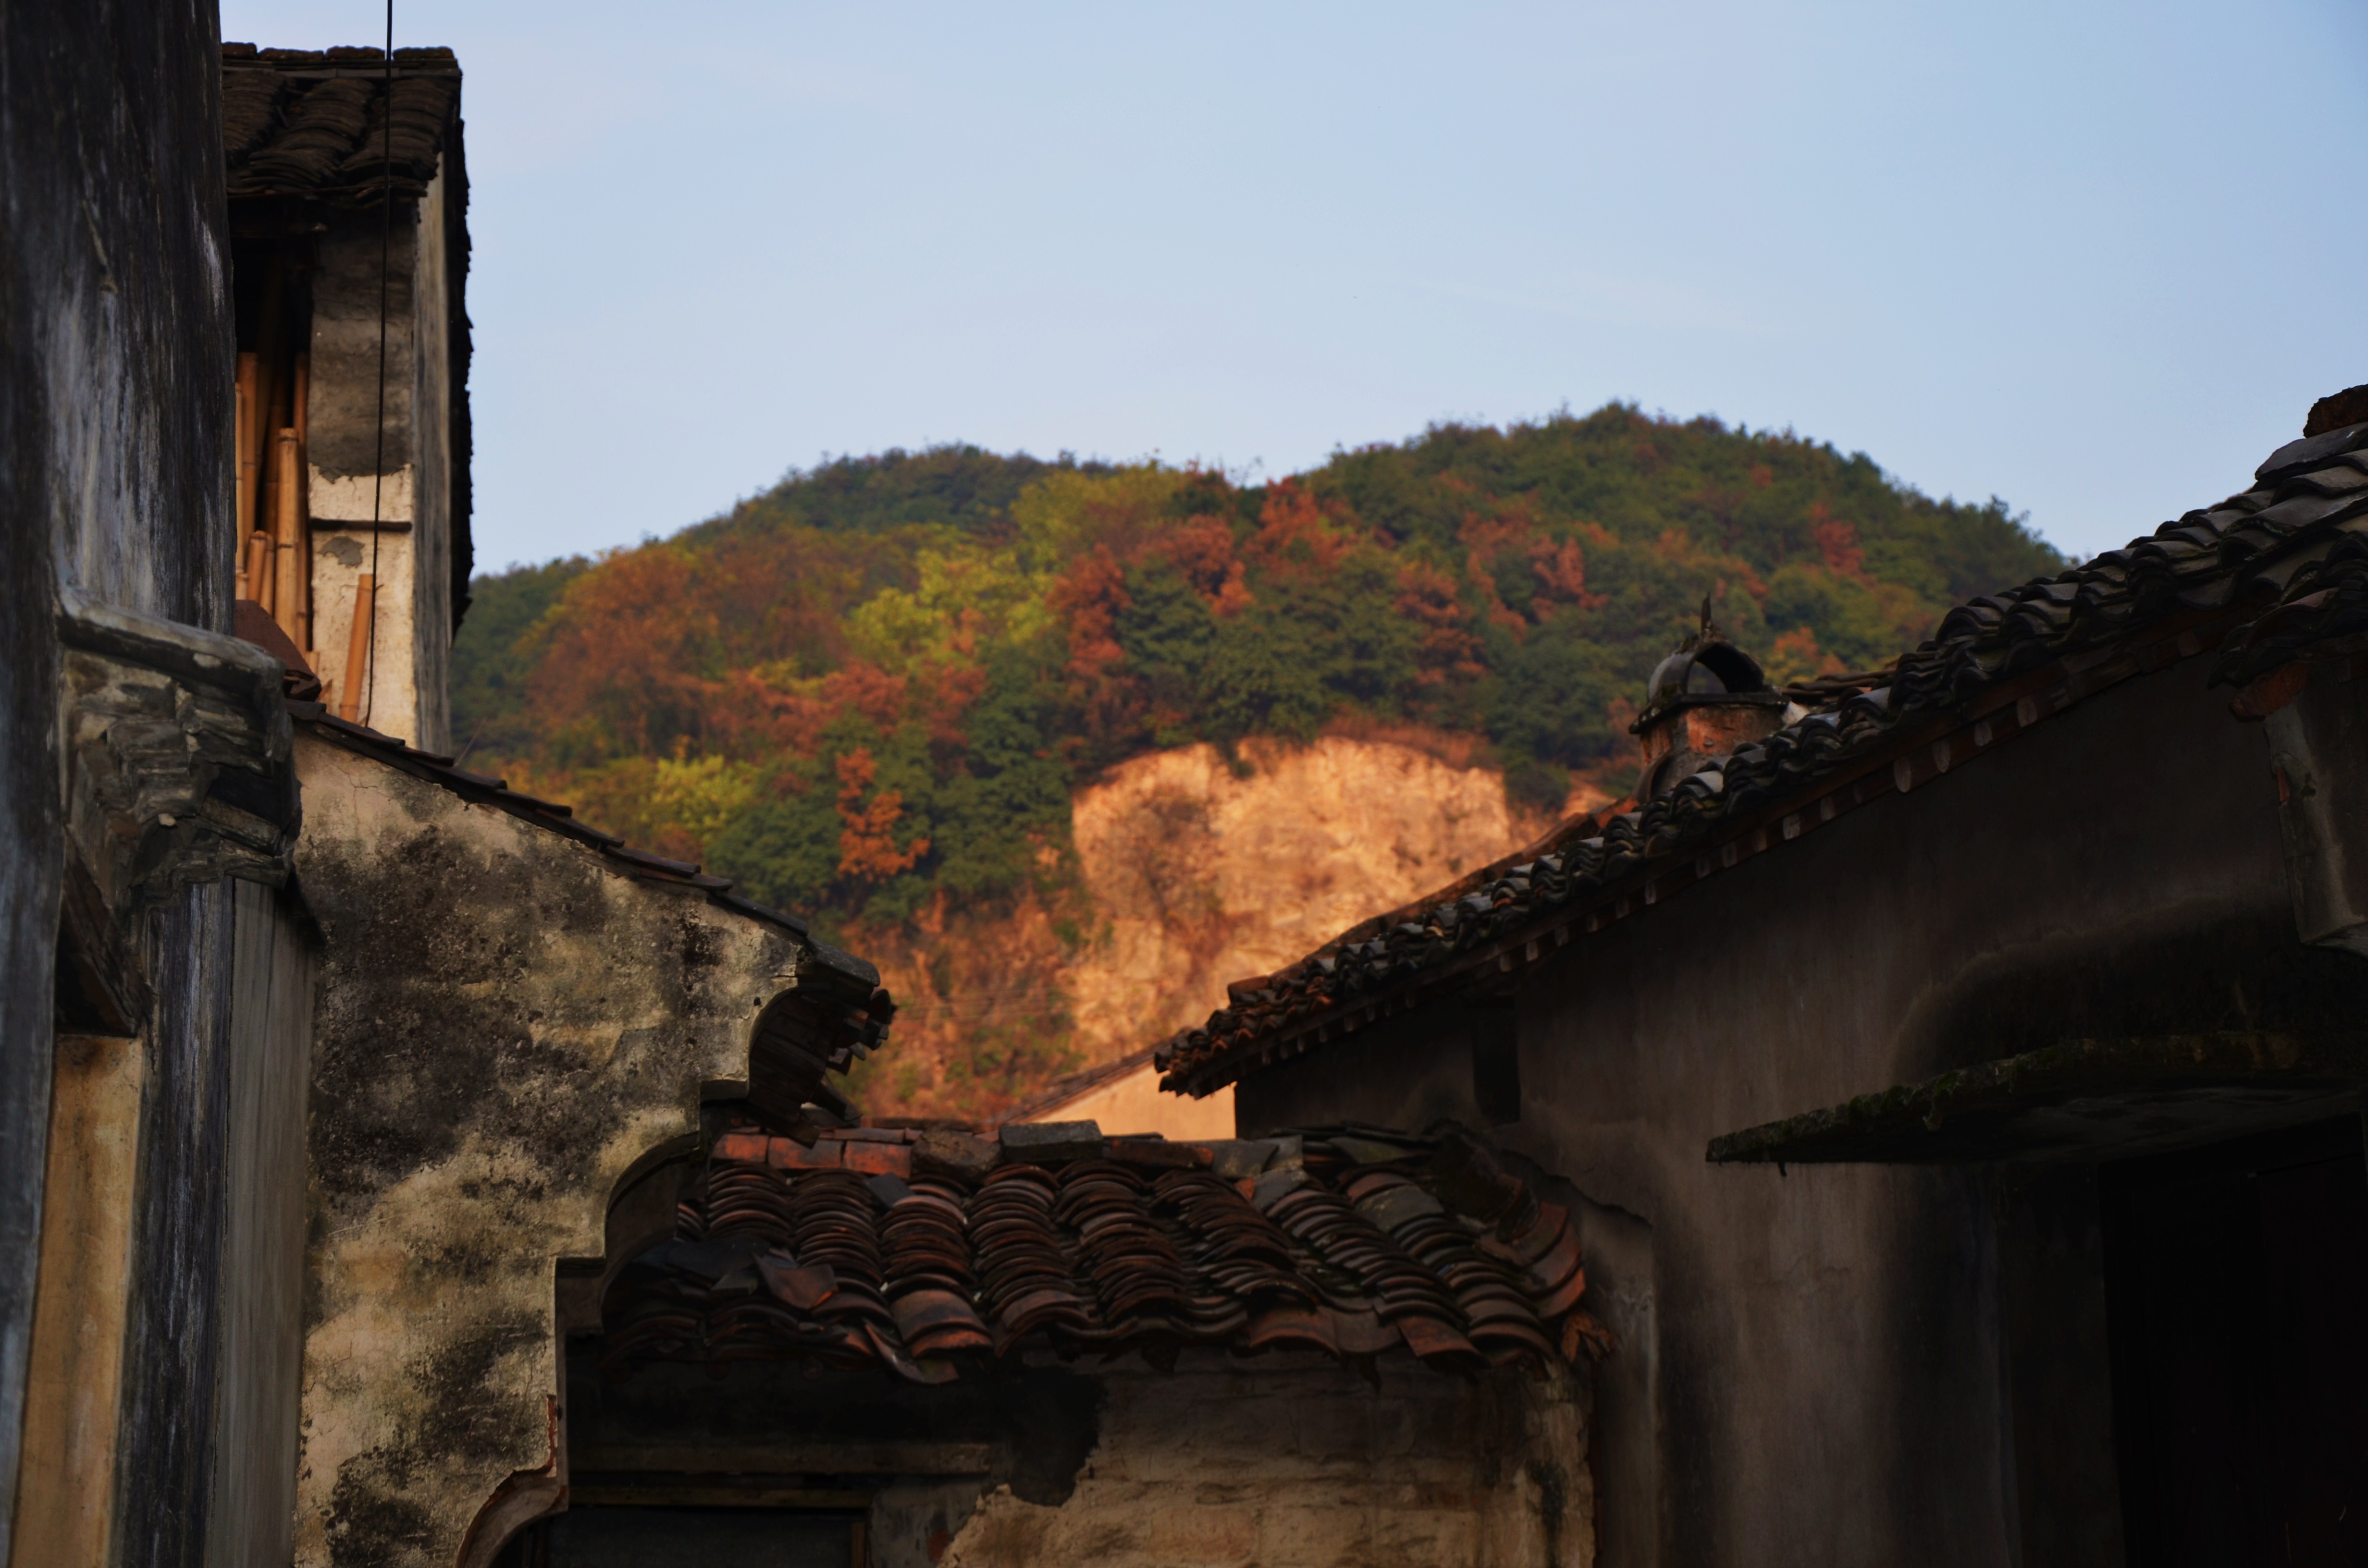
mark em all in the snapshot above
pixel 2336 410
pixel 1703 701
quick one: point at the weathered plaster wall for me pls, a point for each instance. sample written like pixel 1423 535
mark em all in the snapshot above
pixel 389 700
pixel 115 416
pixel 344 432
pixel 1035 1419
pixel 1279 1460
pixel 504 1026
pixel 1296 1462
pixel 1826 1372
pixel 355 478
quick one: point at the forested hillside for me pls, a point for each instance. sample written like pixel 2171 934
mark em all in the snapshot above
pixel 874 691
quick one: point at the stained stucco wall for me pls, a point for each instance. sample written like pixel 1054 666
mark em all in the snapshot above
pixel 406 483
pixel 388 700
pixel 1823 1379
pixel 504 1026
pixel 1279 1460
pixel 1296 1462
pixel 115 358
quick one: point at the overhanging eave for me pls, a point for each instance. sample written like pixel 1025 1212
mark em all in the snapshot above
pixel 2083 1099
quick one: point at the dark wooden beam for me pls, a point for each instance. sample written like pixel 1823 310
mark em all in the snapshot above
pixel 845 1458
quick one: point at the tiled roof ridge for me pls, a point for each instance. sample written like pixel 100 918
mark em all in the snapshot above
pixel 925 1251
pixel 554 817
pixel 1996 665
pixel 358 57
pixel 2322 613
pixel 313 123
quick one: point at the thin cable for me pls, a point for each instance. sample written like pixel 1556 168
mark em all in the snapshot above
pixel 378 463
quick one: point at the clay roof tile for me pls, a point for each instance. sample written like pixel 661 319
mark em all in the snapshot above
pixel 1371 1242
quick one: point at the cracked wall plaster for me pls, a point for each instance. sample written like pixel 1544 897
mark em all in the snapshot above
pixel 505 1025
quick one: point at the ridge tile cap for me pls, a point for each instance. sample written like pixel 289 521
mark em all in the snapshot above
pixel 2311 451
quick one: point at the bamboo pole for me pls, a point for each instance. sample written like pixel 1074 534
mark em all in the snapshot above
pixel 357 646
pixel 304 484
pixel 270 354
pixel 258 569
pixel 271 368
pixel 287 595
pixel 273 502
pixel 247 376
pixel 266 513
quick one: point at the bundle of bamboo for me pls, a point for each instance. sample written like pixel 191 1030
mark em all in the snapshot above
pixel 274 521
pixel 274 524
pixel 276 565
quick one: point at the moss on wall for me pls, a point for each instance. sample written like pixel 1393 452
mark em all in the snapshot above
pixel 505 1025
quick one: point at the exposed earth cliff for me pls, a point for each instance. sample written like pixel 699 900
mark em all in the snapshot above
pixel 1193 872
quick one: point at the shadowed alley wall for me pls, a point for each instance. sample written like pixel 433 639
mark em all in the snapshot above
pixel 1826 1380
pixel 115 428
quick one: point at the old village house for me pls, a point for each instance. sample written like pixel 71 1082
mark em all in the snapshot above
pixel 903 1347
pixel 1948 1077
pixel 348 211
pixel 319 1053
pixel 1957 1068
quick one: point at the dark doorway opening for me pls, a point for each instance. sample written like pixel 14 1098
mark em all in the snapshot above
pixel 693 1538
pixel 2237 1292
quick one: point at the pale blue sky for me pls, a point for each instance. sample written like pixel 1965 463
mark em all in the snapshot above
pixel 2096 258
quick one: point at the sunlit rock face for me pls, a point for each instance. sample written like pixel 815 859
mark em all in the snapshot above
pixel 1194 873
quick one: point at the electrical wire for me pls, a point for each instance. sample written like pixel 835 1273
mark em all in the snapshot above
pixel 378 463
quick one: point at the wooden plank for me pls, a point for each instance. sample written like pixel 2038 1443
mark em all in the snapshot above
pixel 287 528
pixel 247 423
pixel 794 1458
pixel 258 1400
pixel 66 1488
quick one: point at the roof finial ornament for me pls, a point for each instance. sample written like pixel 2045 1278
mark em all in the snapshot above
pixel 1702 636
pixel 1703 701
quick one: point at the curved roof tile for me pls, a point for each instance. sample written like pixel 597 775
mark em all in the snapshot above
pixel 929 1252
pixel 314 122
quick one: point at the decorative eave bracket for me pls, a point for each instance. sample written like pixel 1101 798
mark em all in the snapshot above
pixel 176 746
